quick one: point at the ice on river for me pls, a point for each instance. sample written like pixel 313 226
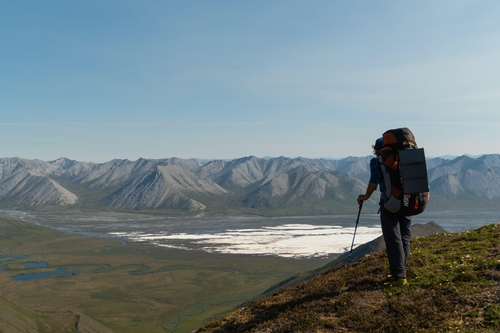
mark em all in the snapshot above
pixel 288 240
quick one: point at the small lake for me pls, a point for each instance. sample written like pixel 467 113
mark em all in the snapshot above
pixel 36 276
pixel 36 264
pixel 69 271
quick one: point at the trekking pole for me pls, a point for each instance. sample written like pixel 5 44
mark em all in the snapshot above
pixel 355 228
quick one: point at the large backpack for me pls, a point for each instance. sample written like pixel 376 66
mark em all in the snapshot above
pixel 405 173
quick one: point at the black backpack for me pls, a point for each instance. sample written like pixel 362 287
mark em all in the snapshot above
pixel 405 173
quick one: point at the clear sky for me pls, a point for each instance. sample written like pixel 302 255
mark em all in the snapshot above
pixel 95 80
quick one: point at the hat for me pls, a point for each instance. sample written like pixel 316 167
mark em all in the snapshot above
pixel 378 144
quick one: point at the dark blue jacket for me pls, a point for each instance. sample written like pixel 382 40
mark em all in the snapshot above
pixel 376 176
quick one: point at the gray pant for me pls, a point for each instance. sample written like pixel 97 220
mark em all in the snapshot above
pixel 397 233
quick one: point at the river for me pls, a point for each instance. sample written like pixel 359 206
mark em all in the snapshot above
pixel 298 237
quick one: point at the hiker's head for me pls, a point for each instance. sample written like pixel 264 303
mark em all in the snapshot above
pixel 377 146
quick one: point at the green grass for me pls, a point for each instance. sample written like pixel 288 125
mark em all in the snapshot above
pixel 454 287
pixel 136 287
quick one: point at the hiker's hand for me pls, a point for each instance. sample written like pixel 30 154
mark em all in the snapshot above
pixel 369 190
pixel 362 197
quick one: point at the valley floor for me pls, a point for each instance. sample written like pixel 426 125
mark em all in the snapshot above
pixel 131 287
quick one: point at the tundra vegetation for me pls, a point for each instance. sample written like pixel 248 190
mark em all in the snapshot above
pixel 454 287
pixel 131 287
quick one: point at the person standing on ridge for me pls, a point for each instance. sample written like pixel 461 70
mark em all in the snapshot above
pixel 396 228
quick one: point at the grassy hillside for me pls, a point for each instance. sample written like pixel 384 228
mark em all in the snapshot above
pixel 454 287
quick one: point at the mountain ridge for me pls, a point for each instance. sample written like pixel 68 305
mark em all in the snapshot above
pixel 281 185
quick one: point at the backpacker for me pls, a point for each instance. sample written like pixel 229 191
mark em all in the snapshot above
pixel 405 173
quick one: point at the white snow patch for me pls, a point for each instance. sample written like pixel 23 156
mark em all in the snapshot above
pixel 289 240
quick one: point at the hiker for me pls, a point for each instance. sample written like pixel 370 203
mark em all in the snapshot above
pixel 396 228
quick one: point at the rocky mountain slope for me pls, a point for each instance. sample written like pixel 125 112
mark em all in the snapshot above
pixel 276 185
pixel 164 186
pixel 464 175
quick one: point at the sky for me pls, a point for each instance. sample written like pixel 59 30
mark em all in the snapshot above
pixel 97 80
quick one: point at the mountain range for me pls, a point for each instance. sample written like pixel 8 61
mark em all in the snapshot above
pixel 248 185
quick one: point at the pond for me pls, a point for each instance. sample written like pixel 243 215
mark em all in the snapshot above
pixel 35 276
pixel 36 264
pixel 69 271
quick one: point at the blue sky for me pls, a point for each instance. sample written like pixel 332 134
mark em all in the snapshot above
pixel 97 80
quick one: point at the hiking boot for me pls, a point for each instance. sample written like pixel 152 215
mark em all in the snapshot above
pixel 396 282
